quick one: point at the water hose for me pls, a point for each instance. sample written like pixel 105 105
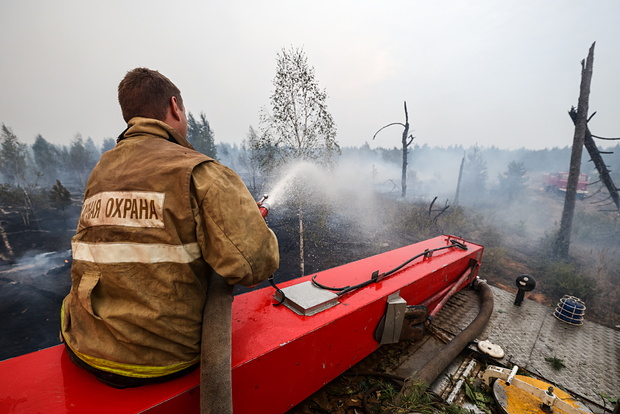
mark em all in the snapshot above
pixel 433 368
pixel 216 343
pixel 215 355
pixel 453 289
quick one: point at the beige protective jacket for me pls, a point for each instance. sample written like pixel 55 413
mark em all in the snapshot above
pixel 157 217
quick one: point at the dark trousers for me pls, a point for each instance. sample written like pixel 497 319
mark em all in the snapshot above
pixel 121 381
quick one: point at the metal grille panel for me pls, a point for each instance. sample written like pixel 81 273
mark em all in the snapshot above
pixel 529 334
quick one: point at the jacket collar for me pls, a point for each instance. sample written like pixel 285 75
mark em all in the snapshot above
pixel 147 126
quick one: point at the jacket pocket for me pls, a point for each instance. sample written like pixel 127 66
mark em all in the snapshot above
pixel 85 290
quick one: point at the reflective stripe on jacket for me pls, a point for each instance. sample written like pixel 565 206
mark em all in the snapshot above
pixel 157 216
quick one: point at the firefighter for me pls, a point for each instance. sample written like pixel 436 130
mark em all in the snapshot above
pixel 158 217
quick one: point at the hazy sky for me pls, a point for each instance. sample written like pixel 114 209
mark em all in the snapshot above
pixel 490 72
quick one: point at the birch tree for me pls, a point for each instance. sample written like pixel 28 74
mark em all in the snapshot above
pixel 298 127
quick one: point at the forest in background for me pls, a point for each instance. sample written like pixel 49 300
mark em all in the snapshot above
pixel 354 210
pixel 32 170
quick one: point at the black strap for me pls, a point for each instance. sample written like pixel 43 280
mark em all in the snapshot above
pixel 122 135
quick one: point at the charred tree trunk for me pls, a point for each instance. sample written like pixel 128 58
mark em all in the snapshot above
pixel 458 183
pixel 302 265
pixel 403 180
pixel 406 141
pixel 562 243
pixel 5 241
pixel 597 159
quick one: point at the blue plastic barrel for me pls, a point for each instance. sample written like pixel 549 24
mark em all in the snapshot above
pixel 570 310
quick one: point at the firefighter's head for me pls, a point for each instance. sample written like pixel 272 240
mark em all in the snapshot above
pixel 149 94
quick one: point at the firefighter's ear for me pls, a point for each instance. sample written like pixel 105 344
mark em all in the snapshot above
pixel 175 108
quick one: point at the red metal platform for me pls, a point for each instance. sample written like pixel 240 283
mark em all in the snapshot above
pixel 279 357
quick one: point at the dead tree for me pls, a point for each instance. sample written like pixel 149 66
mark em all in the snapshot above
pixel 406 141
pixel 10 255
pixel 581 122
pixel 597 159
pixel 439 211
pixel 458 183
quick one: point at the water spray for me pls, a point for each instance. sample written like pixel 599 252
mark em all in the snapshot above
pixel 263 206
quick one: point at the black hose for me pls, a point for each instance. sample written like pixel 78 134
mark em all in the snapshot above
pixel 377 277
pixel 433 368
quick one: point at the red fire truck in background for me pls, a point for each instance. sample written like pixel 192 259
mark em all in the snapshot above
pixel 557 182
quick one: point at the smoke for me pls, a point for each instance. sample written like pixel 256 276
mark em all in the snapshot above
pixel 45 260
pixel 340 204
pixel 349 179
pixel 355 190
pixel 31 292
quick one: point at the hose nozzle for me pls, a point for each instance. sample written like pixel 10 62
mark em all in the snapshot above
pixel 263 206
pixel 263 198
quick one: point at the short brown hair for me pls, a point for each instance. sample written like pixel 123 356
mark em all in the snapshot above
pixel 146 93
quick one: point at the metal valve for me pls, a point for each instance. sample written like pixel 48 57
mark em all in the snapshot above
pixel 524 283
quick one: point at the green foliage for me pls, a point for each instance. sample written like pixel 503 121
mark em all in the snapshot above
pixel 456 222
pixel 546 245
pixel 10 195
pixel 609 398
pixel 411 219
pixel 596 227
pixel 561 279
pixel 489 234
pixel 556 363
pixel 47 158
pixel 12 157
pixel 392 155
pixel 493 259
pixel 200 135
pixel 25 199
pixel 513 181
pixel 415 220
pixel 473 182
pixel 415 398
pixel 83 156
pixel 60 196
pixel 482 399
pixel 299 126
pixel 108 144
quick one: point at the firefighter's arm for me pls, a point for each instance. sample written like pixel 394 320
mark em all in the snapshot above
pixel 233 236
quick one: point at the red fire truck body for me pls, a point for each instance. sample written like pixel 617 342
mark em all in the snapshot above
pixel 558 182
